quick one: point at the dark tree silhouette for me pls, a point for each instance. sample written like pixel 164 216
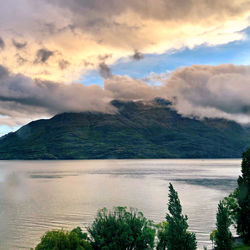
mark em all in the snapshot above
pixel 243 223
pixel 178 238
pixel 223 236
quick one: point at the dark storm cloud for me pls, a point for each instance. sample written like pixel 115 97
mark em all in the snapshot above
pixel 104 70
pixel 19 45
pixel 43 55
pixel 138 55
pixel 2 44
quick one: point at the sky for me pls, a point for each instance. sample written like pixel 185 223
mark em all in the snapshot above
pixel 72 56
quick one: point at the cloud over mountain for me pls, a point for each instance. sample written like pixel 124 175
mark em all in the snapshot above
pixel 211 91
pixel 201 91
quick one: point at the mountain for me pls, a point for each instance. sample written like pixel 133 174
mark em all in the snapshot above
pixel 136 130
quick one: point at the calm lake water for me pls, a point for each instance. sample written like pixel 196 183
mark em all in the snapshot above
pixel 37 196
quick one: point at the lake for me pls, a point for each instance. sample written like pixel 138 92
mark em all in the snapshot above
pixel 37 196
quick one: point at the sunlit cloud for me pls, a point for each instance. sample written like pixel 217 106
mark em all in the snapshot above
pixel 197 91
pixel 65 39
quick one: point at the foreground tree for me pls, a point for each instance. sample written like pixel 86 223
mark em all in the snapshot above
pixel 243 220
pixel 223 236
pixel 231 202
pixel 212 237
pixel 62 240
pixel 178 238
pixel 162 231
pixel 121 229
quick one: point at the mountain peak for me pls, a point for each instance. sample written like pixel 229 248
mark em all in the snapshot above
pixel 138 130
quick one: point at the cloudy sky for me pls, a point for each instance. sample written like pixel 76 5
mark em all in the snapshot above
pixel 60 55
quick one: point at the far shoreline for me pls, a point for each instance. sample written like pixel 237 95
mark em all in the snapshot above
pixel 119 159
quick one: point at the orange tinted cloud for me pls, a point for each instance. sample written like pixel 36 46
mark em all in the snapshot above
pixel 80 32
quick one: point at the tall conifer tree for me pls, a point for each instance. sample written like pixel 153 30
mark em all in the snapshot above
pixel 243 223
pixel 223 236
pixel 178 238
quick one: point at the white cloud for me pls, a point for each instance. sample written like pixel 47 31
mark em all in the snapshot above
pixel 202 91
pixel 79 32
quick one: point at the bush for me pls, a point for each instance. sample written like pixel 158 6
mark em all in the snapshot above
pixel 121 229
pixel 64 240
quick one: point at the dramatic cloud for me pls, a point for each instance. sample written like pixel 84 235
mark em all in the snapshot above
pixel 201 91
pixel 138 55
pixel 19 45
pixel 22 98
pixel 104 70
pixel 63 64
pixel 126 88
pixel 211 91
pixel 197 91
pixel 80 31
pixel 2 44
pixel 43 55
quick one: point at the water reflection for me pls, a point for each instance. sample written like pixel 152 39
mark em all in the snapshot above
pixel 222 184
pixel 36 196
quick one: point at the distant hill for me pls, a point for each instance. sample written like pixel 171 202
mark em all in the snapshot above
pixel 137 130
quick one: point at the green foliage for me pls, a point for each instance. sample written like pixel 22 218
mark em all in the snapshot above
pixel 212 237
pixel 231 202
pixel 162 231
pixel 243 223
pixel 121 229
pixel 178 238
pixel 223 236
pixel 137 131
pixel 79 233
pixel 243 247
pixel 64 240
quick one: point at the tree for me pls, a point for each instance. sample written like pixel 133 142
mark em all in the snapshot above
pixel 212 237
pixel 162 231
pixel 231 202
pixel 243 223
pixel 64 240
pixel 223 236
pixel 121 229
pixel 178 238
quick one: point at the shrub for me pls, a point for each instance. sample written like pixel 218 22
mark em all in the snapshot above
pixel 121 229
pixel 64 240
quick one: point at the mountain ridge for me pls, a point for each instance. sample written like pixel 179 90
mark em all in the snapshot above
pixel 137 130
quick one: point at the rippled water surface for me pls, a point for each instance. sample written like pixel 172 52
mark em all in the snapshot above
pixel 36 196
